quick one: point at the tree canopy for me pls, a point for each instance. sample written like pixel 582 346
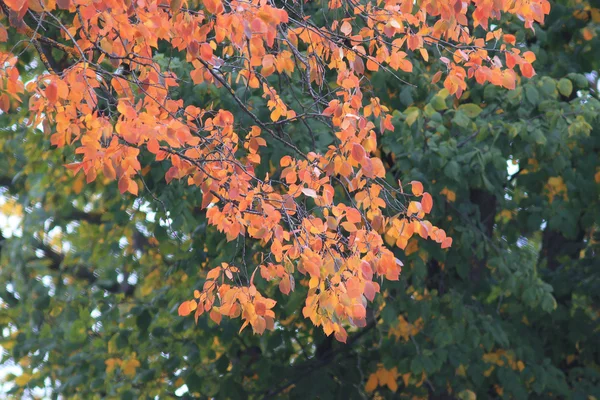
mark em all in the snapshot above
pixel 267 199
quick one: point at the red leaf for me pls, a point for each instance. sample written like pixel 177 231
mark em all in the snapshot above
pixel 64 4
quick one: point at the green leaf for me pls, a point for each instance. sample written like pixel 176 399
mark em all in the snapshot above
pixel 412 113
pixel 471 110
pixel 565 87
pixel 461 119
pixel 532 94
pixel 438 103
pixel 548 303
pixel 452 170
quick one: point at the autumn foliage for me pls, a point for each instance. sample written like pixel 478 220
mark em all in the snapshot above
pixel 327 219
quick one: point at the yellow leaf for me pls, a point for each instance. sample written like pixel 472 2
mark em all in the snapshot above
pixel 412 247
pixel 467 395
pixel 129 367
pixel 556 186
pixel 112 364
pixel 78 185
pixel 412 113
pixel 506 215
pixel 23 379
pixel 112 345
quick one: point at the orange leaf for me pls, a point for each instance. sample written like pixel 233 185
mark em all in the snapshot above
pixel 216 316
pixel 109 170
pixel 124 184
pixel 529 56
pixel 508 80
pixel 527 70
pixel 132 187
pixel 417 188
pixel 15 5
pixel 153 146
pixel 446 243
pixel 52 92
pixel 358 311
pixel 353 215
pixel 358 152
pixel 341 336
pixel 350 227
pixel 213 273
pixel 367 271
pixel 186 308
pixel 427 203
pixel 371 65
pixel 285 285
pixel 213 6
pixel 353 287
pixel 206 52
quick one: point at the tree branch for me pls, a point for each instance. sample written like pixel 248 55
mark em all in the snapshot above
pixel 315 364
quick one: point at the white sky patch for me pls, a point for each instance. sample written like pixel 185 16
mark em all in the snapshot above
pixel 512 167
pixel 182 390
pixel 10 224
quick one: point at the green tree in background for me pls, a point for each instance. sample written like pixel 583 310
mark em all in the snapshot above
pixel 90 280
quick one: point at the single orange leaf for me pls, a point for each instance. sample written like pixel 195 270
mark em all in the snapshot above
pixel 52 92
pixel 427 203
pixel 417 188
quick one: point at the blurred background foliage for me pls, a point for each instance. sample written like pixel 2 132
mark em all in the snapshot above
pixel 90 280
